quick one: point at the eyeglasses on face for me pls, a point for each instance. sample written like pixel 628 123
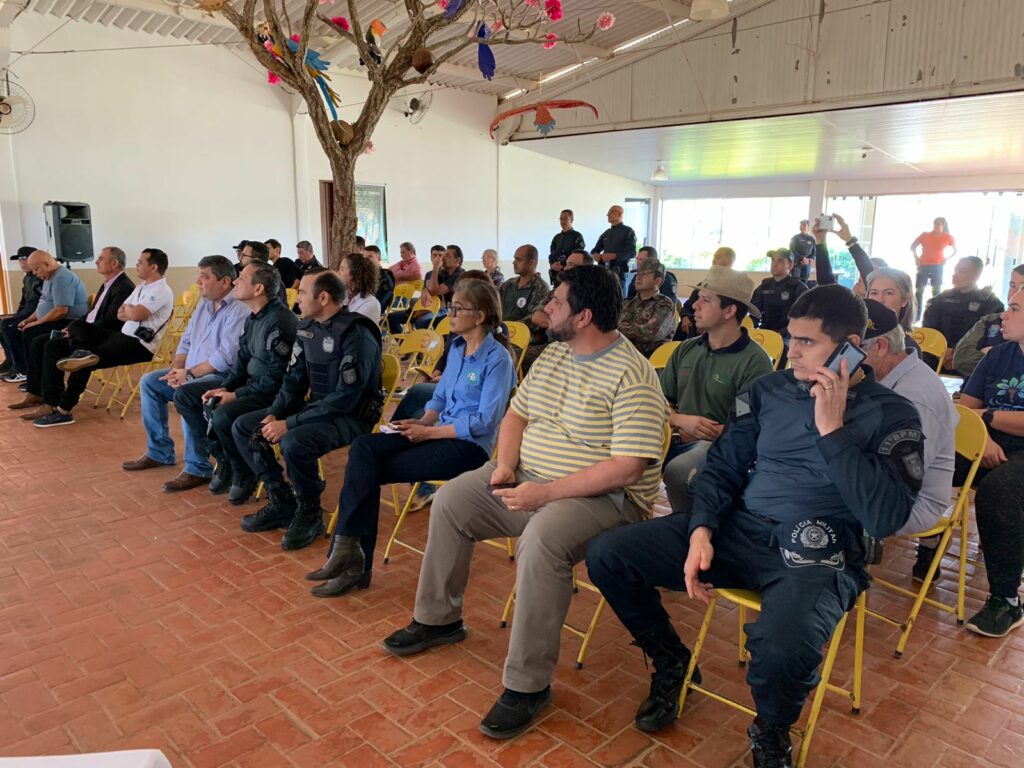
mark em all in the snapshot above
pixel 454 309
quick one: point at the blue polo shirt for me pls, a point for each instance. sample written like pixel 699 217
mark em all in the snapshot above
pixel 473 392
pixel 64 289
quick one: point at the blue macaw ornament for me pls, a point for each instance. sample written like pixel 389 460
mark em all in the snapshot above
pixel 316 66
pixel 484 54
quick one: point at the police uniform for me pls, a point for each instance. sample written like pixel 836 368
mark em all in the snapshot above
pixel 984 334
pixel 338 363
pixel 255 378
pixel 786 508
pixel 774 298
pixel 953 312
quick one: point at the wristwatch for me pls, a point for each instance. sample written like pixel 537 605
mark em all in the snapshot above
pixel 987 417
pixel 189 376
pixel 852 242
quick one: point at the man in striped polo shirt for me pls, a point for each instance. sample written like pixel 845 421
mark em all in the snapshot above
pixel 579 453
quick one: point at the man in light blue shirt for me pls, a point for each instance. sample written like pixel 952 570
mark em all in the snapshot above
pixel 207 349
pixel 63 299
pixel 906 374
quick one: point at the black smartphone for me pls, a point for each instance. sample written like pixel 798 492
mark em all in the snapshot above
pixel 501 486
pixel 853 355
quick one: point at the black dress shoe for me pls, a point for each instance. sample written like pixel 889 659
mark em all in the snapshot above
pixel 242 489
pixel 418 637
pixel 346 557
pixel 342 585
pixel 770 745
pixel 513 713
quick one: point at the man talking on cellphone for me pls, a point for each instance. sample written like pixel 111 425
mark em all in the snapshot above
pixel 811 460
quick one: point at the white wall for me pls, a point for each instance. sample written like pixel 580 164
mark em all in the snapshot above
pixel 535 188
pixel 185 149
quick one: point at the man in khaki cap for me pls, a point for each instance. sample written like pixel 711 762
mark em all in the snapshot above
pixel 704 374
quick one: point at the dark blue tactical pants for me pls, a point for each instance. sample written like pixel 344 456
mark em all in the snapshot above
pixel 800 606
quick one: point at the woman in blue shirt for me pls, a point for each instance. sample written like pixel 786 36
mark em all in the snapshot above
pixel 456 434
pixel 996 391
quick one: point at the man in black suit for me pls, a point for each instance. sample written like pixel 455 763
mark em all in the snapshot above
pixel 117 287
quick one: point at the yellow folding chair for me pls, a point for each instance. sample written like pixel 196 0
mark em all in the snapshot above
pixel 971 438
pixel 932 342
pixel 422 347
pixel 770 342
pixel 749 600
pixel 291 295
pixel 659 358
pixel 444 326
pixel 519 336
pixel 748 323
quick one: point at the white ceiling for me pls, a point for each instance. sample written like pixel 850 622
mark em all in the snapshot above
pixel 966 136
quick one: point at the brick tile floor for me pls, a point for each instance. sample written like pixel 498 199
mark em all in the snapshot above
pixel 132 618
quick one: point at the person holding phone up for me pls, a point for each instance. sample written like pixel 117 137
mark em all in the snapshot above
pixel 455 435
pixel 811 459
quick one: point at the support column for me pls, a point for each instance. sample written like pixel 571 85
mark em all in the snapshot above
pixel 10 216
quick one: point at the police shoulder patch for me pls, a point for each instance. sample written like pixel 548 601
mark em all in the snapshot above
pixel 349 372
pixel 893 439
pixel 271 338
pixel 742 405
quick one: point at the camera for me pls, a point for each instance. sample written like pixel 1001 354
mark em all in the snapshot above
pixel 145 334
pixel 826 222
pixel 262 446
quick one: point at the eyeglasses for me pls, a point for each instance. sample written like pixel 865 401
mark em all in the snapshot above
pixel 454 309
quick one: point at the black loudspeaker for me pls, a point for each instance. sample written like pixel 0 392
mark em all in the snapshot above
pixel 68 230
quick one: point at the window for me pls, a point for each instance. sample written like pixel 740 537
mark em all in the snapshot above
pixel 692 230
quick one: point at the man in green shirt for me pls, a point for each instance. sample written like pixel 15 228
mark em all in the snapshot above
pixel 704 375
pixel 523 297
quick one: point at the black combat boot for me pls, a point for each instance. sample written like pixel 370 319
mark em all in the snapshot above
pixel 306 526
pixel 770 745
pixel 670 658
pixel 279 511
pixel 221 480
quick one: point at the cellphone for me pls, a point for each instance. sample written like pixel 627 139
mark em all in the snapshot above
pixel 389 429
pixel 56 334
pixel 501 486
pixel 853 355
pixel 826 222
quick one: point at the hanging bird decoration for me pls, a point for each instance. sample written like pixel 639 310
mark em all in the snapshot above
pixel 374 33
pixel 316 68
pixel 484 54
pixel 542 119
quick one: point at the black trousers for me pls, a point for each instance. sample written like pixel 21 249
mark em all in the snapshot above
pixel 46 380
pixel 380 459
pixel 300 449
pixel 999 510
pixel 18 343
pixel 800 606
pixel 216 434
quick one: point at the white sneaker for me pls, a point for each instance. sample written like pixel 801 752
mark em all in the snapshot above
pixel 15 378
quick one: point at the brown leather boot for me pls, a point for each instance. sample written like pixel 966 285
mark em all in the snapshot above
pixel 29 401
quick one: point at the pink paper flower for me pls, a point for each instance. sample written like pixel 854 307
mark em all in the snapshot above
pixel 553 8
pixel 442 4
pixel 268 44
pixel 324 2
pixel 272 78
pixel 497 26
pixel 534 3
pixel 295 38
pixel 552 41
pixel 341 21
pixel 605 21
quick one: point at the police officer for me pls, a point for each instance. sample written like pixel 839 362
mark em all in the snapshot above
pixel 984 334
pixel 337 360
pixel 954 311
pixel 776 294
pixel 649 318
pixel 263 354
pixel 809 461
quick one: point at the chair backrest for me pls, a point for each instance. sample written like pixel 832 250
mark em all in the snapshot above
pixel 434 305
pixel 189 298
pixel 424 345
pixel 659 358
pixel 518 333
pixel 747 323
pixel 404 294
pixel 932 342
pixel 417 285
pixel 770 342
pixel 444 326
pixel 971 439
pixel 291 296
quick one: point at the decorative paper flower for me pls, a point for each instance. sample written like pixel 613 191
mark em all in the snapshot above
pixel 272 78
pixel 325 2
pixel 295 38
pixel 497 26
pixel 534 3
pixel 552 41
pixel 553 8
pixel 442 4
pixel 605 21
pixel 341 21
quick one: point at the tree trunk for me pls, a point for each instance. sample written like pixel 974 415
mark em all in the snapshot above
pixel 344 223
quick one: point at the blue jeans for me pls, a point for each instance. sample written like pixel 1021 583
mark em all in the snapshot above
pixel 156 395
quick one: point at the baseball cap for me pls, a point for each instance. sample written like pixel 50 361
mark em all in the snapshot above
pixel 881 319
pixel 241 245
pixel 23 253
pixel 652 265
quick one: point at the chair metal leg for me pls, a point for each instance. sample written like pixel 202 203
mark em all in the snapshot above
pixel 961 587
pixel 590 632
pixel 333 523
pixel 507 613
pixel 819 694
pixel 697 646
pixel 399 521
pixel 742 644
pixel 858 652
pixel 908 625
pixel 510 547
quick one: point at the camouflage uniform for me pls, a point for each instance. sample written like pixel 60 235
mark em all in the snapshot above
pixel 648 323
pixel 519 304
